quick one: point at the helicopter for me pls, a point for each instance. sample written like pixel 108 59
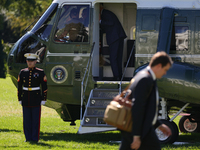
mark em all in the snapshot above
pixel 79 72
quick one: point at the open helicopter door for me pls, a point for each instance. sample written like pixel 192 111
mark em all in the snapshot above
pixel 126 13
pixel 165 32
pixel 104 90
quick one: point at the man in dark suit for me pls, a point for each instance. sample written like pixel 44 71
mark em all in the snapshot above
pixel 31 97
pixel 115 36
pixel 144 95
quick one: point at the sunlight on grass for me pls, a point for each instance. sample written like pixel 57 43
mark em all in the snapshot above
pixel 9 101
pixel 55 133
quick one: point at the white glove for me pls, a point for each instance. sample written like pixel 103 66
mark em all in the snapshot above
pixel 20 102
pixel 43 102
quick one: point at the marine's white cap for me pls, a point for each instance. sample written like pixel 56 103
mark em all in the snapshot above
pixel 31 56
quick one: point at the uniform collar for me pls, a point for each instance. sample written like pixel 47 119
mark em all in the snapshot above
pixel 31 68
pixel 151 72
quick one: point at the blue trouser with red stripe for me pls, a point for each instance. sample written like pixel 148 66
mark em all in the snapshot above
pixel 31 123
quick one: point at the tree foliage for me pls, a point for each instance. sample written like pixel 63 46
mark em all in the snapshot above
pixel 21 13
pixel 15 16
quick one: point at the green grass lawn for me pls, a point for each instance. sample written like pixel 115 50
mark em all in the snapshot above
pixel 55 133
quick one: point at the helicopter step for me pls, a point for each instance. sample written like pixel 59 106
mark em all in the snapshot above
pixel 93 117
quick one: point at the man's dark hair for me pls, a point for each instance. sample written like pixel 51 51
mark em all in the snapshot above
pixel 160 58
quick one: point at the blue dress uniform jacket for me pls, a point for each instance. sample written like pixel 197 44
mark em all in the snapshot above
pixel 32 78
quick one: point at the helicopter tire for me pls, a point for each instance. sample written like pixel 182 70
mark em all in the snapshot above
pixel 168 139
pixel 186 126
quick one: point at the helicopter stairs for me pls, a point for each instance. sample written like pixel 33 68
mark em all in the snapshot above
pixel 93 117
pixel 104 92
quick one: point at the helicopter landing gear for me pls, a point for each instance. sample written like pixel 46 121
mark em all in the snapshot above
pixel 186 125
pixel 169 122
pixel 168 139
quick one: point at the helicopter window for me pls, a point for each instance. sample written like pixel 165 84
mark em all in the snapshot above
pixel 179 40
pixel 30 45
pixel 45 29
pixel 73 25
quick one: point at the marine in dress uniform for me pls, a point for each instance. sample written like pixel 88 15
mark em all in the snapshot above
pixel 32 93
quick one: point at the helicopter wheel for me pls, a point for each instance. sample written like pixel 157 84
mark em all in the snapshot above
pixel 186 126
pixel 168 139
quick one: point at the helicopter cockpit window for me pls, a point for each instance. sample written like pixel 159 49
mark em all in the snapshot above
pixel 43 32
pixel 30 45
pixel 179 40
pixel 73 25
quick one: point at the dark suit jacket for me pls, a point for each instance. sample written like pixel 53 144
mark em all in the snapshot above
pixel 111 26
pixel 144 103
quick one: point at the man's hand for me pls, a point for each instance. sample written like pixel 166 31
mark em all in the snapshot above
pixel 136 142
pixel 165 129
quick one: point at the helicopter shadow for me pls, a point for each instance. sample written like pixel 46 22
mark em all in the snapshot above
pixel 82 138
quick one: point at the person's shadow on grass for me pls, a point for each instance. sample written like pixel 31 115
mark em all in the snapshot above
pixel 8 130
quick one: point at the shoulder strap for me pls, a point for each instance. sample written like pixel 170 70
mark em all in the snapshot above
pixel 132 80
pixel 124 91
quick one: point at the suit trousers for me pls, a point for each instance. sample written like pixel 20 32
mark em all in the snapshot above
pixel 116 54
pixel 149 142
pixel 31 123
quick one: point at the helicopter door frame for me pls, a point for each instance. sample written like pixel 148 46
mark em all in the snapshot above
pixel 101 69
